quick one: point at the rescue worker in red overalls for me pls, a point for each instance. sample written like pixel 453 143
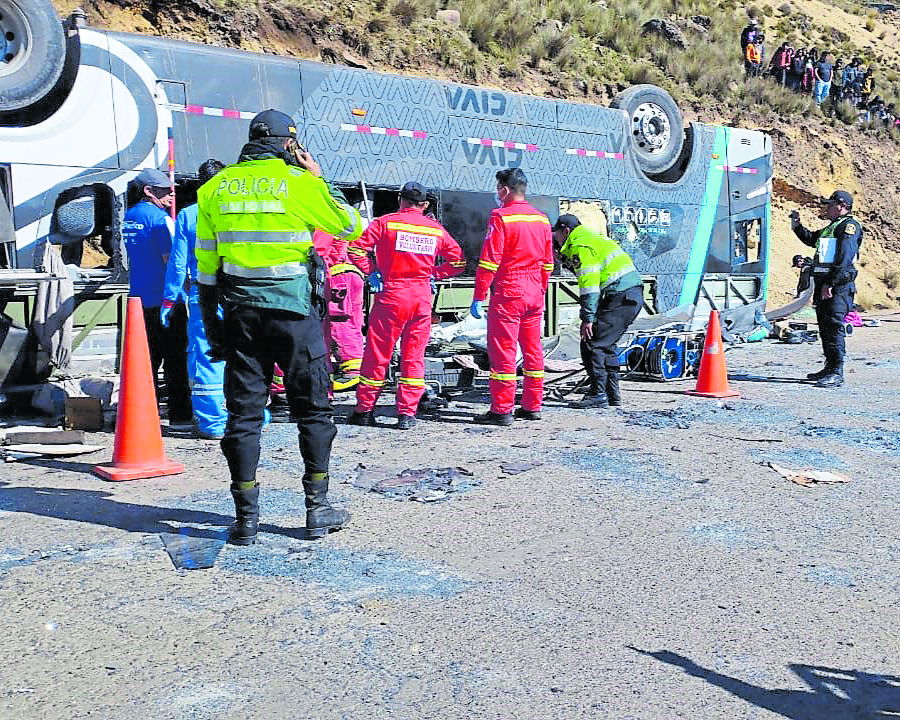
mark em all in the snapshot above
pixel 516 263
pixel 343 323
pixel 406 244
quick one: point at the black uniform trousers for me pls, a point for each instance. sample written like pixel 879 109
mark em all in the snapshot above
pixel 255 339
pixel 168 349
pixel 615 312
pixel 830 318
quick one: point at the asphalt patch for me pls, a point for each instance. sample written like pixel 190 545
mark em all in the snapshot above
pixel 879 440
pixel 801 457
pixel 348 572
pixel 633 470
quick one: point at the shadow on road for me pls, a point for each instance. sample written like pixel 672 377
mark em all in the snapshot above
pixel 98 507
pixel 833 694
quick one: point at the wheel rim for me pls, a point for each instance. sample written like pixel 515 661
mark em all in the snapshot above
pixel 651 128
pixel 16 39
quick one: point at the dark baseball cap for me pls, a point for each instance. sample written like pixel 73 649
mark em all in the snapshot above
pixel 272 123
pixel 839 196
pixel 152 177
pixel 566 221
pixel 414 192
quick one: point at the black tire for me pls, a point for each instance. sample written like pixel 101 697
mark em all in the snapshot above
pixel 32 52
pixel 656 130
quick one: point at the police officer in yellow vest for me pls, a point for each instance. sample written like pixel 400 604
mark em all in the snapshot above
pixel 255 257
pixel 611 296
pixel 837 246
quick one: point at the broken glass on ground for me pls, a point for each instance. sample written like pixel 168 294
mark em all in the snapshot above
pixel 420 485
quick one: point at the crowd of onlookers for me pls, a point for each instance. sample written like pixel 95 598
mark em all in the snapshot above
pixel 816 73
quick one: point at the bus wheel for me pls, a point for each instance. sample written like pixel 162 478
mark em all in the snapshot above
pixel 656 130
pixel 32 52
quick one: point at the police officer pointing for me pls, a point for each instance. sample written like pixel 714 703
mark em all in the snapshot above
pixel 836 246
pixel 254 251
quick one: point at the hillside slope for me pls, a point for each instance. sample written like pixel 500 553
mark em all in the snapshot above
pixel 589 51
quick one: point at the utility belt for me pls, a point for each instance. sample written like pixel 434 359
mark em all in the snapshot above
pixel 845 277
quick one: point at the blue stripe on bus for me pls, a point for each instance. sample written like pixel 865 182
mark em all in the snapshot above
pixel 715 176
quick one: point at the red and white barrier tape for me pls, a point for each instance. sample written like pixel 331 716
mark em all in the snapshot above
pixel 396 132
pixel 595 153
pixel 503 144
pixel 211 111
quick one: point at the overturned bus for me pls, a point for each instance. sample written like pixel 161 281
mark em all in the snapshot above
pixel 82 111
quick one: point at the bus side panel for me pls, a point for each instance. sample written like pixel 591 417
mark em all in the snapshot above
pixel 212 92
pixel 477 155
pixel 348 155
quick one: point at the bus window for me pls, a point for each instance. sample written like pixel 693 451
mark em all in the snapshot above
pixel 745 245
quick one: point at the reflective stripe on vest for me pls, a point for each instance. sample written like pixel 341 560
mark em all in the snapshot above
pixel 292 237
pixel 525 218
pixel 292 269
pixel 207 244
pixel 251 207
pixel 351 228
pixel 594 278
pixel 340 268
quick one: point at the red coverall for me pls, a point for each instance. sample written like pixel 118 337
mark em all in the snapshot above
pixel 343 324
pixel 406 245
pixel 516 262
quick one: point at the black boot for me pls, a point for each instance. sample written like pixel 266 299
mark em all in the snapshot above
pixel 492 418
pixel 321 518
pixel 597 399
pixel 613 393
pixel 406 422
pixel 819 374
pixel 835 378
pixel 246 509
pixel 365 419
pixel 523 414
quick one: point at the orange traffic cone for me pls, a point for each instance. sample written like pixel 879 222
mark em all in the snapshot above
pixel 138 451
pixel 712 380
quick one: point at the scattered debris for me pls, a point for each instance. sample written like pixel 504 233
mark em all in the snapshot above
pixel 809 478
pixel 193 549
pixel 43 437
pixel 12 453
pixel 745 439
pixel 422 485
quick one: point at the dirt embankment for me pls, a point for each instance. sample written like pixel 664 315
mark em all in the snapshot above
pixel 812 158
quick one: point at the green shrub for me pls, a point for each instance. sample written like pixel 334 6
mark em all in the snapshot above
pixel 845 112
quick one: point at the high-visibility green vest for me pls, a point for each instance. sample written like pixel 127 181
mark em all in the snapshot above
pixel 602 266
pixel 255 224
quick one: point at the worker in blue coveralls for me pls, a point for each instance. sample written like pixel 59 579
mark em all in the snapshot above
pixel 147 232
pixel 205 376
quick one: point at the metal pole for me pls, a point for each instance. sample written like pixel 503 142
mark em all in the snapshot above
pixel 172 209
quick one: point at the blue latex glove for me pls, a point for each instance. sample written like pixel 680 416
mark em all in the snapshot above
pixel 376 282
pixel 164 315
pixel 476 309
pixel 433 284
